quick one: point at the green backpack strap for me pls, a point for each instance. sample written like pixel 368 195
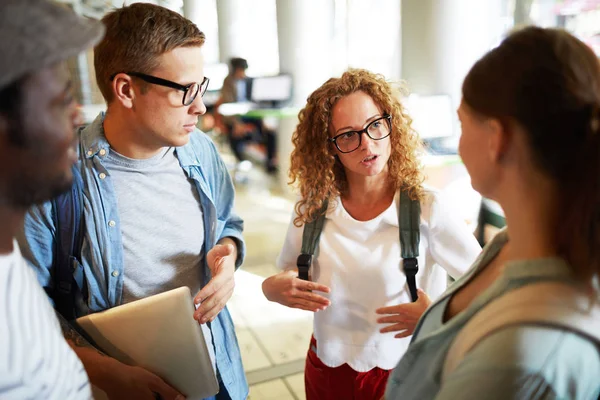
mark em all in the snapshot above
pixel 310 238
pixel 409 216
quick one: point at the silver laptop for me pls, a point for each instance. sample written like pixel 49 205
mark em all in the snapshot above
pixel 158 333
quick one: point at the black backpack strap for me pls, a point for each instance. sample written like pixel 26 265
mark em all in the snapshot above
pixel 409 217
pixel 310 239
pixel 70 289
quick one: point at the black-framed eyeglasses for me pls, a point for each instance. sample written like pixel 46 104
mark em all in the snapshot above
pixel 190 92
pixel 349 141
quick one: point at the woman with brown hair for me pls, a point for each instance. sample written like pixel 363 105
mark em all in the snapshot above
pixel 523 323
pixel 355 149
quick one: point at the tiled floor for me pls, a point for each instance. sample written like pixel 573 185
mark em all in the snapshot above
pixel 273 338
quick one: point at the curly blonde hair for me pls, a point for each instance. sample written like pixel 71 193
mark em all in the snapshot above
pixel 317 171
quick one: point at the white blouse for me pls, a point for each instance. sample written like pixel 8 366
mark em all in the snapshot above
pixel 360 262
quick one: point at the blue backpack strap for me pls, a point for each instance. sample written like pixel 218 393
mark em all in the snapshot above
pixel 70 290
pixel 310 239
pixel 409 216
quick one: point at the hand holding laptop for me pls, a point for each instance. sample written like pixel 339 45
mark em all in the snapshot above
pixel 214 296
pixel 132 382
pixel 156 334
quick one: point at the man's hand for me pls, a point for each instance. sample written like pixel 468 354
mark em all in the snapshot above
pixel 117 380
pixel 287 289
pixel 404 317
pixel 127 382
pixel 214 296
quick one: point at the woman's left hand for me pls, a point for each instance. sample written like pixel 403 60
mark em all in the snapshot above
pixel 403 318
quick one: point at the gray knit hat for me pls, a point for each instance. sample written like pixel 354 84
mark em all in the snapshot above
pixel 35 34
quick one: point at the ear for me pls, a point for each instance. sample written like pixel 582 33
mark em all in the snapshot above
pixel 122 86
pixel 498 140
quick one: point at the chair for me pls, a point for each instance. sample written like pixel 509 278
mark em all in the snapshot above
pixel 490 220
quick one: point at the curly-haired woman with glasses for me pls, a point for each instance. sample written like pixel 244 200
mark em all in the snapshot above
pixel 355 149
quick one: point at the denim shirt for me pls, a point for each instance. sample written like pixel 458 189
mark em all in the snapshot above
pixel 518 362
pixel 102 250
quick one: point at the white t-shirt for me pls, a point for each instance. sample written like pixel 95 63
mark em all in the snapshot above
pixel 35 360
pixel 360 262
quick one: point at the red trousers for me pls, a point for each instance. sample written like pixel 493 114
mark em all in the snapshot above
pixel 341 383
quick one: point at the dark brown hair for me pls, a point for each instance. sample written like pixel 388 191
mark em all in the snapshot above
pixel 314 165
pixel 135 36
pixel 548 82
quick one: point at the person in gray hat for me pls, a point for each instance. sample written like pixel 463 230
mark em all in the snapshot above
pixel 37 118
pixel 159 200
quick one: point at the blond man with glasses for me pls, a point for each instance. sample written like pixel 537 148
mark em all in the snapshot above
pixel 158 209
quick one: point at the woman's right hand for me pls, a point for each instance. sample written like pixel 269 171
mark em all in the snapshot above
pixel 287 289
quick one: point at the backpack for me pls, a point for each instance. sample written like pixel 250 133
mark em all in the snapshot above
pixel 70 289
pixel 554 304
pixel 409 215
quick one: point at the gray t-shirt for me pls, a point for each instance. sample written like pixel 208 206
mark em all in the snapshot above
pixel 161 224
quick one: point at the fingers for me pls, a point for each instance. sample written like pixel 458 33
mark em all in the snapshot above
pixel 285 288
pixel 217 305
pixel 307 305
pixel 218 280
pixel 210 289
pixel 211 307
pixel 396 319
pixel 166 391
pixel 400 326
pixel 404 334
pixel 307 285
pixel 299 296
pixel 404 309
pixel 311 297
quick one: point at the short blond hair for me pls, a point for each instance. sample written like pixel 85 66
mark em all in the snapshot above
pixel 136 36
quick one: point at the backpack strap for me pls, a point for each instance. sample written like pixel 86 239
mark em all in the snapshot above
pixel 310 239
pixel 553 304
pixel 70 290
pixel 409 216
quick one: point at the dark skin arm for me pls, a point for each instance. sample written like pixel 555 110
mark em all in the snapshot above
pixel 117 380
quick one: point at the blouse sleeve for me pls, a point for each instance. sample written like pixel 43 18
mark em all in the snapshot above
pixel 452 245
pixel 291 247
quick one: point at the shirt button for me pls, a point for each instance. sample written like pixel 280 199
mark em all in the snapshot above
pixel 103 152
pixel 115 273
pixel 111 223
pixel 102 175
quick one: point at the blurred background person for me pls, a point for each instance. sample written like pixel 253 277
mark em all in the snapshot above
pixel 243 132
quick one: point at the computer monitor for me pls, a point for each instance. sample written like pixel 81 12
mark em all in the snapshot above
pixel 273 90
